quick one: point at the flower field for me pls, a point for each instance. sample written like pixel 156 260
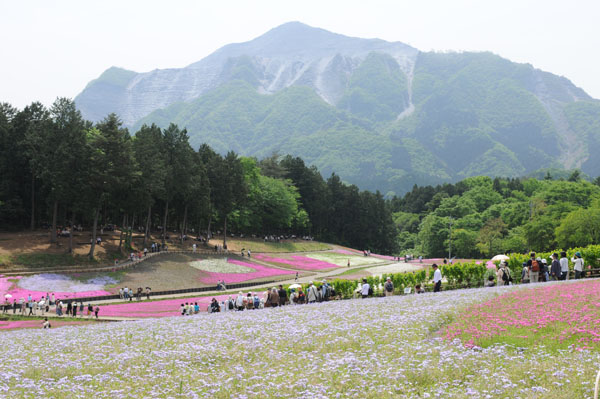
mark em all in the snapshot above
pixel 557 316
pixel 17 324
pixel 41 284
pixel 340 259
pixel 253 272
pixel 297 262
pixel 371 348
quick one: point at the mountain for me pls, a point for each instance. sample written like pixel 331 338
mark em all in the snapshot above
pixel 382 115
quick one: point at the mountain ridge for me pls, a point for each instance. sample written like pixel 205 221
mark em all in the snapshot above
pixel 409 113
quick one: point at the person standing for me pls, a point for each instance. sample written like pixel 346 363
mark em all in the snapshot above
pixel 194 248
pixel 282 295
pixel 555 270
pixel 239 301
pixel 437 278
pixel 96 311
pixel 544 270
pixel 311 293
pixel 564 266
pixel 388 287
pixel 273 298
pixel 365 289
pixel 534 268
pixel 578 265
pixel 500 275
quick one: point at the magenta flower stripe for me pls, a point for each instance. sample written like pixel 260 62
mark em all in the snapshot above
pixel 298 262
pixel 231 278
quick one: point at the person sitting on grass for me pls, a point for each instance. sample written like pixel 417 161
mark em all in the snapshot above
pixel 491 282
pixel 419 289
pixel 46 323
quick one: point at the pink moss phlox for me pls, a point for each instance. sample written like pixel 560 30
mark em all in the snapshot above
pixel 232 278
pixel 298 262
pixel 572 308
pixel 7 287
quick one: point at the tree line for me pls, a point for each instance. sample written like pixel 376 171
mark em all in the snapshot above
pixel 59 169
pixel 480 216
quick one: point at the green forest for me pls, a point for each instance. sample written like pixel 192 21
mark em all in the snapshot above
pixel 480 216
pixel 60 170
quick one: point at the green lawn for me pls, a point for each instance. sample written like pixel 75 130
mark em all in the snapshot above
pixel 41 260
pixel 286 246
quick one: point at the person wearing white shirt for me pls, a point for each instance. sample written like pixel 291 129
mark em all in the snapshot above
pixel 437 278
pixel 564 266
pixel 578 265
pixel 365 288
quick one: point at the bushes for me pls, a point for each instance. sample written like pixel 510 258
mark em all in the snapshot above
pixel 464 273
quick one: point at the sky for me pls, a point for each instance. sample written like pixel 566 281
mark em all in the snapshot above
pixel 53 48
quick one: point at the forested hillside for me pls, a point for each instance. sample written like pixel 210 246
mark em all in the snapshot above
pixel 382 115
pixel 58 169
pixel 480 216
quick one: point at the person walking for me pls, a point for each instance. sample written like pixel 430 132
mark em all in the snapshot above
pixel 388 287
pixel 437 278
pixel 96 311
pixel 564 266
pixel 578 265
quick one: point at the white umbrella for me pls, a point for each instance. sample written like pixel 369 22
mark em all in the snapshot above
pixel 296 286
pixel 500 257
pixel 7 296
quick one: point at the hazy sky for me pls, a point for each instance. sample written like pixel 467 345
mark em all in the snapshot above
pixel 54 48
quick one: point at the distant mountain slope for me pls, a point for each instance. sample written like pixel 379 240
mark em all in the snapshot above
pixel 291 54
pixel 380 114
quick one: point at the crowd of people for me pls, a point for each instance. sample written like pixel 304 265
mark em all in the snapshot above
pixel 128 294
pixel 273 297
pixel 48 304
